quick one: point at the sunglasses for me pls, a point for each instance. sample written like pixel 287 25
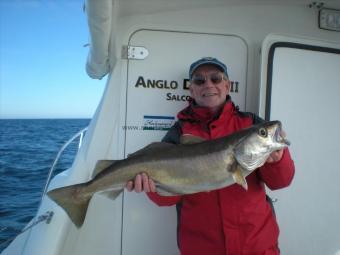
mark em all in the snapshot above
pixel 199 79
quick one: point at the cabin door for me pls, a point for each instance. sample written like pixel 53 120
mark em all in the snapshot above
pixel 157 89
pixel 301 87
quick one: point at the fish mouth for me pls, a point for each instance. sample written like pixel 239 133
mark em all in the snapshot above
pixel 280 138
pixel 285 141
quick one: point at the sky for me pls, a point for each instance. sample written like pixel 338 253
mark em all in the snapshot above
pixel 42 60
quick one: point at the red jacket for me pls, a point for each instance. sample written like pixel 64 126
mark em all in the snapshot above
pixel 230 220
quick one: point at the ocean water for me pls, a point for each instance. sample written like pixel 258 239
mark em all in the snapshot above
pixel 28 148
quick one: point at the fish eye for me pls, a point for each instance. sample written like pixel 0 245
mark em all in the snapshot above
pixel 263 132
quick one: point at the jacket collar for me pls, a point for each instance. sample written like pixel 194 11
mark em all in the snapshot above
pixel 195 113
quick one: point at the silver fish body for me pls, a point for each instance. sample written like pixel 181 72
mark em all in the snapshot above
pixel 178 169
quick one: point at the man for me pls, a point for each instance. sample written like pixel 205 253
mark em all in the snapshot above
pixel 230 220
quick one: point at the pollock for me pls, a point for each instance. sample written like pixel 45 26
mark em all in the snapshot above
pixel 192 166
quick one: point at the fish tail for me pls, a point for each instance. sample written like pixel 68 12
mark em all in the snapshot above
pixel 74 205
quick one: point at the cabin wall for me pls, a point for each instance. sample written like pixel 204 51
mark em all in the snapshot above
pixel 253 23
pixel 106 137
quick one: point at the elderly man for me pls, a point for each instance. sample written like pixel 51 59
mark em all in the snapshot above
pixel 230 220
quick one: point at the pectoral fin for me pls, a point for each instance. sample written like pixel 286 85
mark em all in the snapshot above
pixel 239 178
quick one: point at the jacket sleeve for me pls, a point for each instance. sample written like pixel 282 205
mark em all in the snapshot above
pixel 279 174
pixel 172 136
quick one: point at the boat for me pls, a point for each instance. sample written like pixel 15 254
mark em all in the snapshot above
pixel 283 59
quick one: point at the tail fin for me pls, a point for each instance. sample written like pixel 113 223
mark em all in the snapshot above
pixel 74 206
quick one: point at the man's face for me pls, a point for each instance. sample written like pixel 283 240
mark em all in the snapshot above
pixel 213 91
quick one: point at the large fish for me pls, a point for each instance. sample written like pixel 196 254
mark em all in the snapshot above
pixel 190 167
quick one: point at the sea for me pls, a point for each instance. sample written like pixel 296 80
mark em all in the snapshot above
pixel 28 148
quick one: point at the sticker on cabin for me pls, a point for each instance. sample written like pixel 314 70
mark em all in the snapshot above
pixel 158 122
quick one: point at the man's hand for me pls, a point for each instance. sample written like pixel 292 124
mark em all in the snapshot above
pixel 275 156
pixel 141 183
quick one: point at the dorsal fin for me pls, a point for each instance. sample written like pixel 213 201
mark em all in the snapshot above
pixel 190 139
pixel 101 165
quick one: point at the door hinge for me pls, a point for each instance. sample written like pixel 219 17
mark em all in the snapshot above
pixel 134 52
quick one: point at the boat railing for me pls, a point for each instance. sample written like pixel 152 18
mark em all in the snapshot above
pixel 80 134
pixel 48 215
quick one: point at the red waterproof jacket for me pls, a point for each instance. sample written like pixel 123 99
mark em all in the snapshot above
pixel 231 220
